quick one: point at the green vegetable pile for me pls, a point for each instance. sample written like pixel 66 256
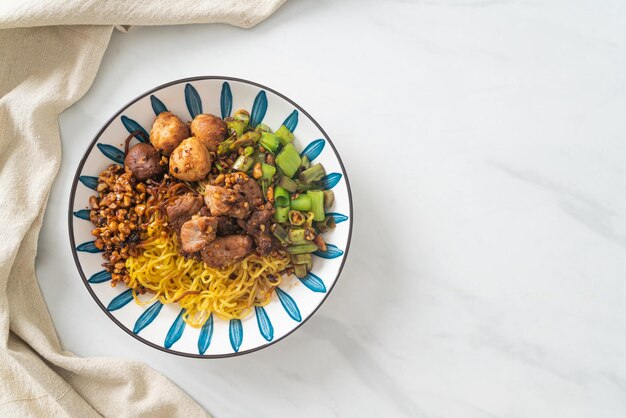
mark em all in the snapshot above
pixel 287 179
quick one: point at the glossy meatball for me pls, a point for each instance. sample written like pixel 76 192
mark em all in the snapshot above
pixel 209 129
pixel 167 132
pixel 143 161
pixel 190 161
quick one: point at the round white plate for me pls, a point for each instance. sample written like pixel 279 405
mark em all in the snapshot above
pixel 161 326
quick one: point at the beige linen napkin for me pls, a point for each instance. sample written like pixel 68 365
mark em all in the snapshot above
pixel 49 54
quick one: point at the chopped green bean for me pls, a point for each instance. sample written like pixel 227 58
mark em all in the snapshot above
pixel 281 234
pixel 314 173
pixel 296 217
pixel 281 197
pixel 281 214
pixel 284 134
pixel 303 187
pixel 297 236
pixel 288 160
pixel 302 202
pixel 305 163
pixel 309 247
pixel 326 224
pixel 269 141
pixel 300 270
pixel 317 204
pixel 287 184
pixel 329 199
pixel 243 163
pixel 301 258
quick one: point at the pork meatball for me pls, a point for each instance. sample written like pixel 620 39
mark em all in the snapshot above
pixel 190 161
pixel 143 161
pixel 209 129
pixel 168 131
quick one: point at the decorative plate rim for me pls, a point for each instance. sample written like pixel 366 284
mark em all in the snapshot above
pixel 88 152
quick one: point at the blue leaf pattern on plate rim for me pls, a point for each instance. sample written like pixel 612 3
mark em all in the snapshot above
pixel 292 121
pixel 331 180
pixel 226 100
pixel 176 330
pixel 112 153
pixel 88 247
pixel 206 334
pixel 235 333
pixel 147 317
pixel 193 101
pixel 82 214
pixel 89 181
pixel 157 106
pixel 264 323
pixel 314 149
pixel 331 252
pixel 259 107
pixel 120 300
pixel 314 283
pixel 132 126
pixel 338 217
pixel 289 304
pixel 100 277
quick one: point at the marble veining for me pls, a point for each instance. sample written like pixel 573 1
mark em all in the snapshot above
pixel 485 145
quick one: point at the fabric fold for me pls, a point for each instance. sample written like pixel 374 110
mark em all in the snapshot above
pixel 49 55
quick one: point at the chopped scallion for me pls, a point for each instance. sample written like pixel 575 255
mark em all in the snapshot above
pixel 329 199
pixel 288 160
pixel 309 247
pixel 314 173
pixel 269 141
pixel 296 217
pixel 281 214
pixel 326 224
pixel 302 202
pixel 261 127
pixel 281 197
pixel 303 187
pixel 305 163
pixel 300 270
pixel 268 171
pixel 236 126
pixel 297 236
pixel 288 184
pixel 317 204
pixel 301 258
pixel 284 135
pixel 242 115
pixel 243 163
pixel 281 234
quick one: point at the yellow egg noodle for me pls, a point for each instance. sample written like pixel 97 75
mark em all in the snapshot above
pixel 230 292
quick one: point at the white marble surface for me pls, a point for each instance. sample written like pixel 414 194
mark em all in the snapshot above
pixel 485 141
